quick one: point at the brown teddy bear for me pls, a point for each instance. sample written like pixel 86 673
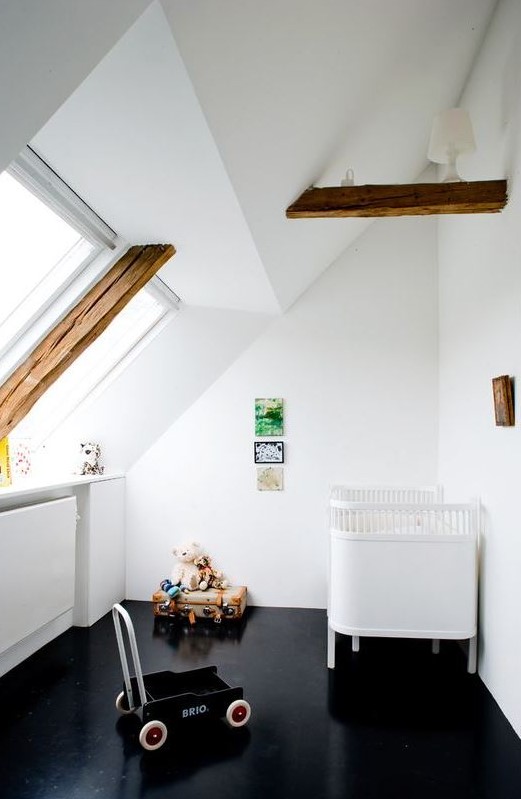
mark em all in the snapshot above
pixel 209 577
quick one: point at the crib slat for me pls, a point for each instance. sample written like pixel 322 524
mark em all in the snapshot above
pixel 407 516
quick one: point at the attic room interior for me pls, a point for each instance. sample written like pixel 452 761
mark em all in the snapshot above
pixel 231 261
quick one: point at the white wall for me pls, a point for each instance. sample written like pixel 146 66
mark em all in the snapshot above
pixel 156 388
pixel 355 360
pixel 480 337
pixel 46 50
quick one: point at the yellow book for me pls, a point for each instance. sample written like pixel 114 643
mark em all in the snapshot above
pixel 5 466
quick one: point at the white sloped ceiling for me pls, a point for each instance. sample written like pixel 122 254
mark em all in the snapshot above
pixel 296 92
pixel 133 141
pixel 46 50
pixel 208 118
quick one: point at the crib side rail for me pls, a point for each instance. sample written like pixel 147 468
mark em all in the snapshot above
pixel 407 519
pixel 387 493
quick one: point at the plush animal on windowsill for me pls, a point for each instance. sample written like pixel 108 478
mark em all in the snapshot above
pixel 209 577
pixel 185 573
pixel 88 462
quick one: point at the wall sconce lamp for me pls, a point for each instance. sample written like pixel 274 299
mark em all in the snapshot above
pixel 451 135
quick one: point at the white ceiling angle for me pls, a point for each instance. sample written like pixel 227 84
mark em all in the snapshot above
pixel 295 93
pixel 206 120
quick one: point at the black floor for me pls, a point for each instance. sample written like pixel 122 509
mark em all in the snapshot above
pixel 391 721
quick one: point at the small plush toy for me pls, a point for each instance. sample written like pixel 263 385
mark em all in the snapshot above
pixel 209 577
pixel 88 462
pixel 185 573
pixel 169 588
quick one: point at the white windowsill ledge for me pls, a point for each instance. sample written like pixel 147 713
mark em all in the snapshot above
pixel 25 487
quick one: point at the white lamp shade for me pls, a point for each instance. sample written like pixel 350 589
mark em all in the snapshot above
pixel 451 135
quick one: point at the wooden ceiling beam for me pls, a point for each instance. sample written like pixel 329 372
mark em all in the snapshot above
pixel 412 199
pixel 80 327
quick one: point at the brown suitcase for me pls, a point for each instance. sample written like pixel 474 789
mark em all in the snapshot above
pixel 214 605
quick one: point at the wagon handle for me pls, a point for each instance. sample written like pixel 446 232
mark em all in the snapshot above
pixel 118 613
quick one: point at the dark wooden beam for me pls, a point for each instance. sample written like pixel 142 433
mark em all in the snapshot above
pixel 412 199
pixel 80 327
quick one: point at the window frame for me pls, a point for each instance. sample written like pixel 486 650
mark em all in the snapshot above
pixel 39 178
pixel 59 412
pixel 45 310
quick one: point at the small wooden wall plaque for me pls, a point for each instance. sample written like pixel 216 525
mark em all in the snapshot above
pixel 503 401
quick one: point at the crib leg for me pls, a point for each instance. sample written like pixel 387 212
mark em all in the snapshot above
pixel 330 647
pixel 472 662
pixel 435 646
pixel 355 643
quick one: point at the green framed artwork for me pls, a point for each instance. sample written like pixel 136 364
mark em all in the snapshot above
pixel 269 417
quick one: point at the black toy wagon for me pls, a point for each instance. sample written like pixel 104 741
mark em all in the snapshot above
pixel 167 700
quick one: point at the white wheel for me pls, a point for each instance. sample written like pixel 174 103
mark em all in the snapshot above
pixel 238 713
pixel 122 704
pixel 153 735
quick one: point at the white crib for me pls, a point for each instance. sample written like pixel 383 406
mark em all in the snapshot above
pixel 402 564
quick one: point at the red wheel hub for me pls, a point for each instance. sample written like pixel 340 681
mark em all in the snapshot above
pixel 154 736
pixel 239 713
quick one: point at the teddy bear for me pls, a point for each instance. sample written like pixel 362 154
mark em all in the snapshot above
pixel 209 577
pixel 88 462
pixel 185 573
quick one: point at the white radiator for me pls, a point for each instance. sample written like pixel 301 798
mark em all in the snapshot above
pixel 37 557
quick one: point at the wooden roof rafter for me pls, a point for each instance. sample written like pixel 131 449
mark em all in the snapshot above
pixel 409 199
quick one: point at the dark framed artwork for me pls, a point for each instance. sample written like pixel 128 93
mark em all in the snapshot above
pixel 503 401
pixel 268 451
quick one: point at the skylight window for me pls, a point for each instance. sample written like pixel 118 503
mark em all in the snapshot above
pixel 52 248
pixel 55 248
pixel 40 252
pixel 100 363
pixel 28 260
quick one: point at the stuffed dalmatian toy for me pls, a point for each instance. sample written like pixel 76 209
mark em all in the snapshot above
pixel 89 459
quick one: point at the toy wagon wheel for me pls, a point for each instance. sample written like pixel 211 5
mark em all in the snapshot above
pixel 122 704
pixel 238 713
pixel 153 735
